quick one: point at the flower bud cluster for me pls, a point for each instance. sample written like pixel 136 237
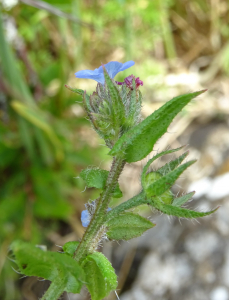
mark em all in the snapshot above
pixel 112 109
pixel 112 120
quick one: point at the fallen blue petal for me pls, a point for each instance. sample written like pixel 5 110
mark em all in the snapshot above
pixel 113 68
pixel 85 218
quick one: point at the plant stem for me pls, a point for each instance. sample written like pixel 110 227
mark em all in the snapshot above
pixel 55 290
pixel 89 238
pixel 137 200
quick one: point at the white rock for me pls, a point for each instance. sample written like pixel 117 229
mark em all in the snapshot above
pixel 201 245
pixel 222 220
pixel 156 276
pixel 219 188
pixel 213 189
pixel 219 293
pixel 201 187
pixel 225 270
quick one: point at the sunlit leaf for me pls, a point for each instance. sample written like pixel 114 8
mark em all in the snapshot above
pixel 64 272
pixel 138 142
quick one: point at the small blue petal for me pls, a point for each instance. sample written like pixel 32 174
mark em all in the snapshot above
pixel 85 218
pixel 127 65
pixel 96 75
pixel 108 209
pixel 113 68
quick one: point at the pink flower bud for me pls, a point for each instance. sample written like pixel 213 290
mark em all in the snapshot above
pixel 128 81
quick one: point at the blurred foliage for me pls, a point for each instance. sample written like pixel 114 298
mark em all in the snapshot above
pixel 45 139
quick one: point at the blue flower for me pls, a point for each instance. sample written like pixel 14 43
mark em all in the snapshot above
pixel 113 68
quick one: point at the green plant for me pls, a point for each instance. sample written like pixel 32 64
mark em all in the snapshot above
pixel 114 111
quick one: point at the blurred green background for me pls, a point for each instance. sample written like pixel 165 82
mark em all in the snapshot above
pixel 45 139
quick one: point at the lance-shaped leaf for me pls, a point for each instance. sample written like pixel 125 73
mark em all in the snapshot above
pixel 117 104
pixel 100 275
pixel 138 142
pixel 166 182
pixel 76 91
pixel 172 164
pixel 183 199
pixel 127 226
pixel 95 177
pixel 178 211
pixel 70 247
pixel 64 272
pixel 144 171
pixel 167 196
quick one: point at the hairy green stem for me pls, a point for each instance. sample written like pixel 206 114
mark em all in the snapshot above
pixel 55 290
pixel 89 239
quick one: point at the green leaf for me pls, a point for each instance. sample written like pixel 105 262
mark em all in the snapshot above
pixel 53 266
pixel 138 142
pixel 152 160
pixel 76 91
pixel 117 193
pixel 35 116
pixel 167 196
pixel 166 182
pixel 183 199
pixel 127 226
pixel 70 247
pixel 172 164
pixel 100 275
pixel 178 211
pixel 95 177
